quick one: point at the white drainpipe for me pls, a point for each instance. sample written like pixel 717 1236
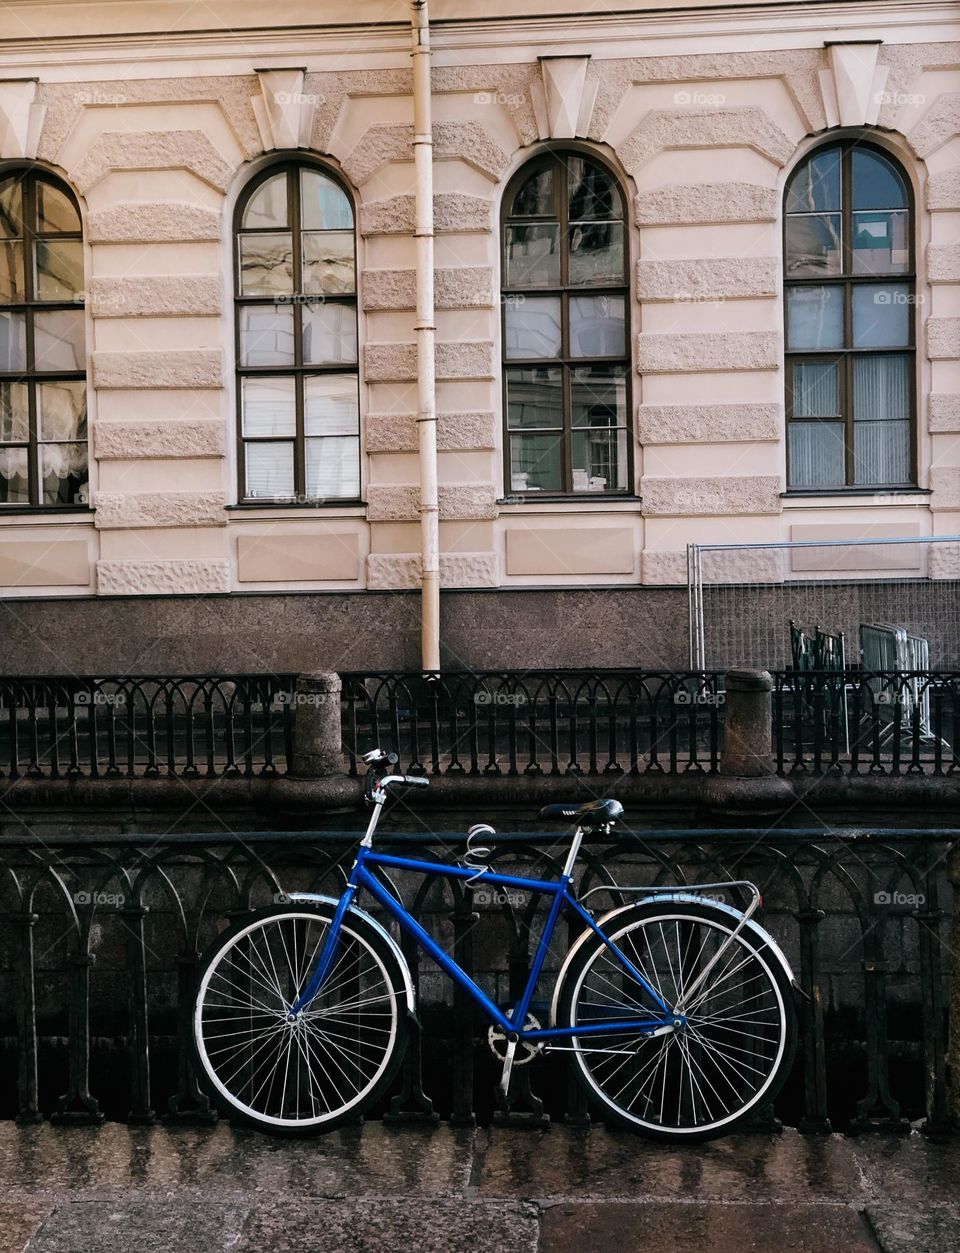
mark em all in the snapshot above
pixel 426 329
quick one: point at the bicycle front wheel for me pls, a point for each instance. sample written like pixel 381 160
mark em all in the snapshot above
pixel 738 1040
pixel 298 1074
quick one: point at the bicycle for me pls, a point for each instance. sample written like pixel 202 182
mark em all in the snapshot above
pixel 677 1010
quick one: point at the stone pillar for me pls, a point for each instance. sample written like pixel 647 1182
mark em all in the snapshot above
pixel 748 724
pixel 953 1051
pixel 317 744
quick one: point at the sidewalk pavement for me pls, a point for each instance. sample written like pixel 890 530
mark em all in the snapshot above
pixel 120 1189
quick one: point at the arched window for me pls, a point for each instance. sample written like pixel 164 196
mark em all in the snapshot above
pixel 43 380
pixel 566 366
pixel 296 312
pixel 850 305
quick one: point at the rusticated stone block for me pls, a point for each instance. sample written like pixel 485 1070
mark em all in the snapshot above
pixel 467 287
pixel 452 212
pixel 124 510
pixel 152 223
pixel 180 295
pixel 937 126
pixel 397 571
pixel 377 147
pixel 330 91
pixel 398 362
pixel 665 568
pixel 471 143
pixel 388 363
pixel 197 368
pixel 397 432
pixel 132 441
pixel 713 277
pixel 152 150
pixel 393 572
pixel 707 424
pixel 943 190
pixel 494 86
pixel 943 412
pixel 697 351
pixel 943 339
pixel 943 561
pixel 705 128
pixel 162 578
pixel 393 502
pixel 683 203
pixel 943 263
pixel 696 497
pixel 467 500
pixel 945 485
pixel 466 359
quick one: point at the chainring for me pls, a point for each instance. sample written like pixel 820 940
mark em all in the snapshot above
pixel 526 1050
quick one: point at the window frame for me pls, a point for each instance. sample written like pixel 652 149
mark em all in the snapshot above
pixel 30 176
pixel 291 168
pixel 847 281
pixel 553 157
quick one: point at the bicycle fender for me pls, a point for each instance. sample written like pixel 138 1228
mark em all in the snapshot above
pixel 315 898
pixel 689 898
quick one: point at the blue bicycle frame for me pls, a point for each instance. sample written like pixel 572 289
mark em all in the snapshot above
pixel 361 877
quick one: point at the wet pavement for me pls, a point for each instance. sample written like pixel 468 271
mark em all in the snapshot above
pixel 120 1189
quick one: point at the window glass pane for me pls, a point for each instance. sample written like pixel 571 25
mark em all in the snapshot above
pixel 56 213
pixel 599 460
pixel 592 192
pixel 598 395
pixel 331 405
pixel 59 269
pixel 62 410
pixel 534 398
pixel 269 470
pixel 333 467
pixel 63 474
pixel 881 453
pixel 11 221
pixel 12 342
pixel 876 183
pixel 881 388
pixel 324 206
pixel 267 207
pixel 266 264
pixel 816 184
pixel 814 317
pixel 269 406
pixel 597 327
pixel 813 246
pixel 816 389
pixel 328 262
pixel 14 413
pixel 14 485
pixel 596 252
pixel 11 271
pixel 266 335
pixel 880 243
pixel 881 315
pixel 535 464
pixel 58 340
pixel 535 196
pixel 532 256
pixel 817 454
pixel 329 334
pixel 532 327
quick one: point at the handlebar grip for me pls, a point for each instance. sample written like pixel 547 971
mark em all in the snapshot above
pixel 416 780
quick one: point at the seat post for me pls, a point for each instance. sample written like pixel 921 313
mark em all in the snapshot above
pixel 574 852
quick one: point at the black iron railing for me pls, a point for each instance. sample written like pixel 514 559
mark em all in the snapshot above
pixel 857 721
pixel 207 725
pixel 538 722
pixel 100 941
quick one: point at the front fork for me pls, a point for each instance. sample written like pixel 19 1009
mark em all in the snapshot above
pixel 328 954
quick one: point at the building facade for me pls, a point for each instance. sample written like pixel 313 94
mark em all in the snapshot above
pixel 697 280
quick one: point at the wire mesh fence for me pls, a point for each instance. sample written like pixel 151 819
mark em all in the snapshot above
pixel 743 599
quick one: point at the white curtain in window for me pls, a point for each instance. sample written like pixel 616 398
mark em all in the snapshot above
pixel 881 411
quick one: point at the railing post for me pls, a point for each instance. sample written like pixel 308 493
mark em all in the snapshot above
pixel 317 740
pixel 748 724
pixel 953 1052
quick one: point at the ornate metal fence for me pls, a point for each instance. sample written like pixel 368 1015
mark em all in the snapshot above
pixel 63 725
pixel 538 722
pixel 100 942
pixel 877 722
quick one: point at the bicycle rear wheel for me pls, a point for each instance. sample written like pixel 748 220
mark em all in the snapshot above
pixel 296 1075
pixel 739 1038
